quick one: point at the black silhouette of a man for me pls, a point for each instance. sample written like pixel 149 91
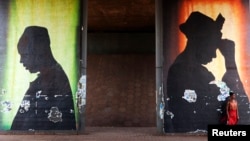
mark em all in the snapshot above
pixel 192 94
pixel 48 102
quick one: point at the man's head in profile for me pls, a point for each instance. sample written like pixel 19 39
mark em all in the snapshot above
pixel 34 49
pixel 203 34
pixel 52 82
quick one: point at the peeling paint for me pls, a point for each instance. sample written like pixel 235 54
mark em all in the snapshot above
pixel 170 114
pixel 24 107
pixel 81 93
pixel 219 110
pixel 224 89
pixel 161 104
pixel 161 111
pixel 55 115
pixel 190 96
pixel 198 131
pixel 31 130
pixel 38 94
pixel 6 106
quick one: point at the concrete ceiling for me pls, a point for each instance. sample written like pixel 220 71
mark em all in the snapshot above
pixel 121 15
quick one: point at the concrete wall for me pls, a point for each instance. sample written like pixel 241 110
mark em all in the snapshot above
pixel 121 79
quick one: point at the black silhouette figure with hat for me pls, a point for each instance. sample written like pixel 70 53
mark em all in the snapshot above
pixel 187 74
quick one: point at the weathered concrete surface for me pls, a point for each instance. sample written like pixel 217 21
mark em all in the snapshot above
pixel 108 134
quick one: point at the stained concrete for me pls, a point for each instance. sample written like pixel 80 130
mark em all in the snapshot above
pixel 108 134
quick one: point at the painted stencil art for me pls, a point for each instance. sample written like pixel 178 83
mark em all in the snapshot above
pixel 39 67
pixel 206 53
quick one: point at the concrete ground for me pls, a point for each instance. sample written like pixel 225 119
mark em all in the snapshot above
pixel 107 134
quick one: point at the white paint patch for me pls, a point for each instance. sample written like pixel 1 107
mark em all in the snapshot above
pixel 55 115
pixel 161 110
pixel 190 96
pixel 224 89
pixel 170 114
pixel 81 93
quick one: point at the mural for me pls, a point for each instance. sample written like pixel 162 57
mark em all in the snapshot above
pixel 48 102
pixel 195 92
pixel 39 64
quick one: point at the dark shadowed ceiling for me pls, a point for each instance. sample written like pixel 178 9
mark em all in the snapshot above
pixel 121 15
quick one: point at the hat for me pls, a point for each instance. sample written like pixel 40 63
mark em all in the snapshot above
pixel 36 38
pixel 198 23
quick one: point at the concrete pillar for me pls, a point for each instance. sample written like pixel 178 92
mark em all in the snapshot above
pixel 83 62
pixel 159 65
